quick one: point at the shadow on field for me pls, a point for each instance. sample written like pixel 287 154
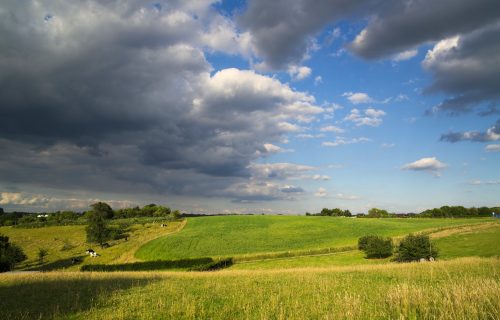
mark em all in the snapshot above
pixel 59 264
pixel 48 298
pixel 150 265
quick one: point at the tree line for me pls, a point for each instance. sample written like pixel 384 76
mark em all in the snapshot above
pixel 442 212
pixel 68 217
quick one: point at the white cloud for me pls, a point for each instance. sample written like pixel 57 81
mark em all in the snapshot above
pixel 489 182
pixel 369 117
pixel 282 170
pixel 44 202
pixel 387 145
pixel 319 177
pixel 332 129
pixel 358 97
pixel 309 136
pixel 299 73
pixel 430 164
pixel 271 148
pixel 342 196
pixel 492 148
pixel 321 193
pixel 318 80
pixel 405 55
pixel 343 141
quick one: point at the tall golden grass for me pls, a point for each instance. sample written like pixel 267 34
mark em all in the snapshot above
pixel 465 288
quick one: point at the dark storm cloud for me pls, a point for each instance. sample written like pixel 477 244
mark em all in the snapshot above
pixel 406 24
pixel 468 67
pixel 281 30
pixel 491 134
pixel 112 95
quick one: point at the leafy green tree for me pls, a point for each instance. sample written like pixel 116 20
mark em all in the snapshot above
pixel 10 254
pixel 97 230
pixel 414 248
pixel 103 209
pixel 376 246
pixel 42 253
pixel 176 214
pixel 363 242
pixel 377 213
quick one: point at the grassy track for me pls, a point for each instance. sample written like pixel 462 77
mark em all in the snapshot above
pixel 240 235
pixel 458 289
pixel 480 242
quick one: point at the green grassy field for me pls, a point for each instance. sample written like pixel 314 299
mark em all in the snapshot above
pixel 458 289
pixel 339 285
pixel 480 240
pixel 251 235
pixel 66 242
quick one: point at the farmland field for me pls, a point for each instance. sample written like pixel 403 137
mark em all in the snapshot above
pixel 239 235
pixel 310 283
pixel 466 288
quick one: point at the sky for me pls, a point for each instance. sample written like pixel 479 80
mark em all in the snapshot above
pixel 250 106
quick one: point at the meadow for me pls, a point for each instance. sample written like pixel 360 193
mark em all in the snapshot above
pixel 66 242
pixel 285 268
pixel 254 236
pixel 465 288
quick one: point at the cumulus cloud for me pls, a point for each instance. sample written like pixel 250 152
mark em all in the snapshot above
pixel 119 96
pixel 262 191
pixel 299 73
pixel 358 97
pixel 47 203
pixel 282 31
pixel 368 117
pixel 480 182
pixel 282 34
pixel 321 193
pixel 492 148
pixel 339 141
pixel 431 165
pixel 467 66
pixel 491 134
pixel 278 170
pixel 401 25
pixel 310 136
pixel 342 196
pixel 318 80
pixel 332 129
pixel 405 55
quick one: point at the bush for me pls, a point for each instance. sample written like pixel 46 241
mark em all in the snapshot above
pixel 414 248
pixel 378 247
pixel 363 241
pixel 10 254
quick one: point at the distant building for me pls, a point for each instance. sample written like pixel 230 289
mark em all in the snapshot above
pixel 42 216
pixel 495 215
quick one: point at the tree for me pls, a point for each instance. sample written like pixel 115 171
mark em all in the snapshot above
pixel 414 248
pixel 97 230
pixel 103 209
pixel 10 254
pixel 376 246
pixel 363 242
pixel 377 213
pixel 42 253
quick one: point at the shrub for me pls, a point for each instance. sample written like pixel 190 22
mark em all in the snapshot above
pixel 414 248
pixel 379 247
pixel 10 254
pixel 363 241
